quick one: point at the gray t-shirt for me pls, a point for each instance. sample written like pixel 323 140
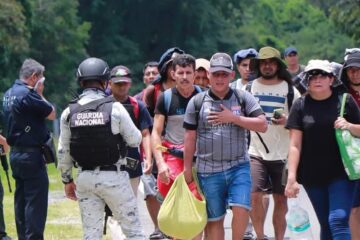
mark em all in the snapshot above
pixel 220 147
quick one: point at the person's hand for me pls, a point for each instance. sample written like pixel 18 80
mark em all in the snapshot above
pixel 188 176
pixel 70 191
pixel 292 188
pixel 148 167
pixel 164 173
pixel 39 87
pixel 342 123
pixel 225 116
pixel 279 121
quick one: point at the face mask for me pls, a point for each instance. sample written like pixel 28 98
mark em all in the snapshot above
pixel 42 80
pixel 108 92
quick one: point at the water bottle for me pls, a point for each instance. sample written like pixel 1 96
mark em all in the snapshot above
pixel 298 222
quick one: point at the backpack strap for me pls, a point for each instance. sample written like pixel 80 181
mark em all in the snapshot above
pixel 248 88
pixel 136 109
pixel 240 99
pixel 167 100
pixel 157 91
pixel 198 89
pixel 198 102
pixel 290 96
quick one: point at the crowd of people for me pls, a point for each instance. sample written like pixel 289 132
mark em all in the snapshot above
pixel 249 138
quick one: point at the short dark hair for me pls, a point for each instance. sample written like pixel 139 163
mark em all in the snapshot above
pixel 150 64
pixel 184 60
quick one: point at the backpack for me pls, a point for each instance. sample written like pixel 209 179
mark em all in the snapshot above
pixel 168 96
pixel 289 96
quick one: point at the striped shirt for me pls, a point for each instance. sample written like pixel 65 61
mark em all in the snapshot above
pixel 220 147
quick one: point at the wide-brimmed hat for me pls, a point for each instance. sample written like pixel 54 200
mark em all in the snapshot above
pixel 267 53
pixel 316 66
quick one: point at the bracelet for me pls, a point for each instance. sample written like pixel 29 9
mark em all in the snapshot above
pixel 67 182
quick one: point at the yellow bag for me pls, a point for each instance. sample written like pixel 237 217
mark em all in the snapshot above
pixel 182 215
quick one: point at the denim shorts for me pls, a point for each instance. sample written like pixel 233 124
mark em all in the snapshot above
pixel 229 188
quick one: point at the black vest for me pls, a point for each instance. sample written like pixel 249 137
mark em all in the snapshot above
pixel 92 142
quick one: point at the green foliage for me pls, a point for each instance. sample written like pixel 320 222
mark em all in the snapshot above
pixel 57 41
pixel 346 15
pixel 283 23
pixel 60 34
pixel 13 40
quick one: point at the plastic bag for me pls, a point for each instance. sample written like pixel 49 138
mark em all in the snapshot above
pixel 182 215
pixel 349 147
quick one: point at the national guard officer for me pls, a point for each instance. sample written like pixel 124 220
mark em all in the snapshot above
pixel 25 111
pixel 94 132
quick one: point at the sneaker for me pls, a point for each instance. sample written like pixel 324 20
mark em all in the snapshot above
pixel 157 234
pixel 6 238
pixel 248 236
pixel 264 238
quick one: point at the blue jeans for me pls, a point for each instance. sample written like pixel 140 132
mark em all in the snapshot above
pixel 229 188
pixel 332 204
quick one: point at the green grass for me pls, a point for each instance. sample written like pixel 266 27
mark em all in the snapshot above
pixel 63 219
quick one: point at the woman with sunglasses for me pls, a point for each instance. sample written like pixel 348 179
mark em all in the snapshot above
pixel 314 157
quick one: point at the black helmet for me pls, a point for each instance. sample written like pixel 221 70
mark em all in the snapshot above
pixel 93 69
pixel 167 58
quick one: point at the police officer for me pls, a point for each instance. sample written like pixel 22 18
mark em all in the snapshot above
pixel 94 132
pixel 25 111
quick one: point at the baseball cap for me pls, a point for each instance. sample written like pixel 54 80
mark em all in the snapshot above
pixel 120 74
pixel 202 63
pixel 245 53
pixel 290 50
pixel 221 62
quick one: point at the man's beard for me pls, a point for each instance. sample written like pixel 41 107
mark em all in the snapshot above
pixel 268 77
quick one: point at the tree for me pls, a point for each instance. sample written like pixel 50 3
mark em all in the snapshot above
pixel 57 41
pixel 13 41
pixel 346 15
pixel 134 32
pixel 283 23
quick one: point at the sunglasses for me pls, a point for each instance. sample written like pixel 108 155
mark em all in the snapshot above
pixel 320 73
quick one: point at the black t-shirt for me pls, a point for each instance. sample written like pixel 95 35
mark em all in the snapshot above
pixel 178 103
pixel 174 132
pixel 320 160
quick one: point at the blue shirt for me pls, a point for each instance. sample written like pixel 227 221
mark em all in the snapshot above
pixel 25 112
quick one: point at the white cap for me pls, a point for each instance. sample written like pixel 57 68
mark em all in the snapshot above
pixel 317 64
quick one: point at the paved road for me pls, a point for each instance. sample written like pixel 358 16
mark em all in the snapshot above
pixel 303 199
